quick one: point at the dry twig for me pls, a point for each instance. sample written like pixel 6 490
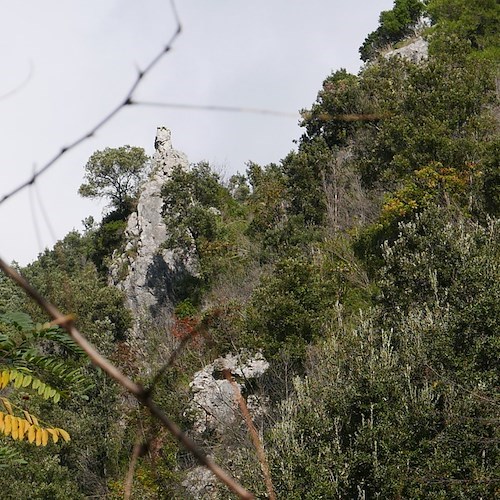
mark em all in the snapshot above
pixel 261 454
pixel 129 480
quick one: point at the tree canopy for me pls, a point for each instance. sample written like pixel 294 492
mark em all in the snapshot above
pixel 115 173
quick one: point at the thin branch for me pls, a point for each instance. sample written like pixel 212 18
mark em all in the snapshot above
pixel 214 107
pixel 139 392
pixel 261 454
pixel 127 100
pixel 129 480
pixel 20 86
pixel 474 394
pixel 173 356
pixel 345 117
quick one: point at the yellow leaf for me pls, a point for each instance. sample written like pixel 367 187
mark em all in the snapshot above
pixel 64 434
pixel 26 426
pixel 39 433
pixel 22 425
pixel 7 405
pixel 55 436
pixel 31 433
pixel 8 424
pixel 28 416
pixel 45 437
pixel 2 424
pixel 14 431
pixel 4 380
pixel 36 383
pixel 35 420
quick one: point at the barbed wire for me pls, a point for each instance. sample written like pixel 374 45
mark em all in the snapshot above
pixel 126 101
pixel 21 85
pixel 214 107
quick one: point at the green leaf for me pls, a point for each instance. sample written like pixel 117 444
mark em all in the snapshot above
pixel 20 320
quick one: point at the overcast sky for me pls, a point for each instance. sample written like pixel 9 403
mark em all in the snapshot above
pixel 72 62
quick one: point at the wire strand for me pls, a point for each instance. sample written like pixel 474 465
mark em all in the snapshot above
pixel 126 101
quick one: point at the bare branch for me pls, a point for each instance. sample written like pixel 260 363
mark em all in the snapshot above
pixel 173 356
pixel 129 480
pixel 140 393
pixel 261 454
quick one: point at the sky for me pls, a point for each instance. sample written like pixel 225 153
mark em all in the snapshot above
pixel 65 65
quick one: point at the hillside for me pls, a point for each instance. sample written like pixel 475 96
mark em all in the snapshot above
pixel 350 294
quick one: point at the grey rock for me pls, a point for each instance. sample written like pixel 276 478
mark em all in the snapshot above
pixel 200 483
pixel 416 51
pixel 146 271
pixel 213 404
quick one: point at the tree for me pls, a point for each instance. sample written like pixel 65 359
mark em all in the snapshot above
pixel 477 22
pixel 115 174
pixel 31 360
pixel 395 24
pixel 202 217
pixel 340 98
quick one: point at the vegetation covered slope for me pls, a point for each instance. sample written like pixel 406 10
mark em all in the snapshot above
pixel 366 268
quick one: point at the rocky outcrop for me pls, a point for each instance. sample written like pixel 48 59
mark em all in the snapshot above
pixel 415 51
pixel 214 408
pixel 145 271
pixel 213 404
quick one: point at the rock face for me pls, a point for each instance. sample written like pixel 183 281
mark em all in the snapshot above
pixel 416 51
pixel 213 404
pixel 145 271
pixel 214 408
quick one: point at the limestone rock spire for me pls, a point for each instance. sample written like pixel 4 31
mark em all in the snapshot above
pixel 145 271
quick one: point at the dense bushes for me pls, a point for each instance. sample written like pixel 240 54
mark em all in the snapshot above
pixel 365 266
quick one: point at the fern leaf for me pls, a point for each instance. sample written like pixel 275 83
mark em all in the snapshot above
pixel 21 321
pixel 10 457
pixel 59 336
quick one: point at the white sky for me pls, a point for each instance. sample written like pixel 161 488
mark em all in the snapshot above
pixel 79 58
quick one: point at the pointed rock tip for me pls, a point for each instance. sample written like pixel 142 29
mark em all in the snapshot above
pixel 163 138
